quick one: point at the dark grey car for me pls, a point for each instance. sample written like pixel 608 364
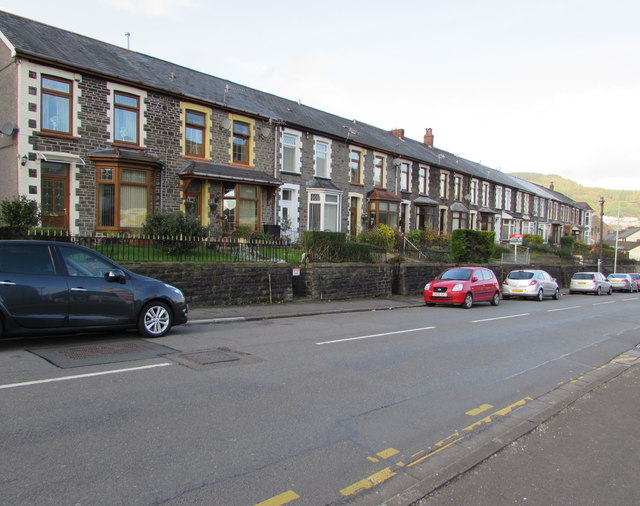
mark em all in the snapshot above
pixel 48 287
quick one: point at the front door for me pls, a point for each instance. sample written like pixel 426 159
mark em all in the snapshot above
pixel 55 194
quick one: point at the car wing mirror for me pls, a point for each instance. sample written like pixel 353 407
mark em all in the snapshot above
pixel 474 279
pixel 115 276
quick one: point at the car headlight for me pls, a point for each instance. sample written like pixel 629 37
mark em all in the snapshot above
pixel 457 288
pixel 174 289
pixel 427 286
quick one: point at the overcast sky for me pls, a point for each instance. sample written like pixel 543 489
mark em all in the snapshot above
pixel 548 86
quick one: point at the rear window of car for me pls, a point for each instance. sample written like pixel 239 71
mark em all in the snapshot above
pixel 457 274
pixel 582 275
pixel 520 275
pixel 26 259
pixel 617 276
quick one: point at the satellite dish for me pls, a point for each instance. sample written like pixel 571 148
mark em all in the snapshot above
pixel 266 132
pixel 226 124
pixel 397 161
pixel 9 128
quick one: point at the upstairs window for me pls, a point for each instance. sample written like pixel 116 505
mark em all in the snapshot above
pixel 423 182
pixel 485 194
pixel 241 142
pixel 404 177
pixel 473 193
pixel 321 159
pixel 56 105
pixel 378 171
pixel 457 187
pixel 444 185
pixel 355 166
pixel 194 133
pixel 126 117
pixel 290 153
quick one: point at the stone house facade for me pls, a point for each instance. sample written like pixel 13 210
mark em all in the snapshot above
pixel 102 136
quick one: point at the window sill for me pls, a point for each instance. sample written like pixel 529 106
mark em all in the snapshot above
pixel 356 184
pixel 57 135
pixel 196 158
pixel 126 145
pixel 290 173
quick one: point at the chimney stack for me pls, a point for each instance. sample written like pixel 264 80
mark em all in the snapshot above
pixel 398 132
pixel 428 137
pixel 551 186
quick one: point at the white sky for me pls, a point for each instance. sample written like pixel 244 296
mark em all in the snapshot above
pixel 548 86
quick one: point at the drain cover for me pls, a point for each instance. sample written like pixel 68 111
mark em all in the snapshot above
pixel 210 357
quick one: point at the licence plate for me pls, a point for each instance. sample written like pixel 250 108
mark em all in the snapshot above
pixel 518 291
pixel 439 294
pixel 582 282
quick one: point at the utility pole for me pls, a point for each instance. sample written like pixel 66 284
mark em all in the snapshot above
pixel 601 231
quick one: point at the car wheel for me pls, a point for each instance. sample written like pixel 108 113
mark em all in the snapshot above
pixel 556 295
pixel 598 292
pixel 610 291
pixel 506 297
pixel 540 296
pixel 468 301
pixel 496 299
pixel 430 304
pixel 155 319
pixel 571 292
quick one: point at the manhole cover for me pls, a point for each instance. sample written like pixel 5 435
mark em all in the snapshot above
pixel 210 357
pixel 101 353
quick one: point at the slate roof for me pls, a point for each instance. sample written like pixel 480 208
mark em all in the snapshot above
pixel 45 43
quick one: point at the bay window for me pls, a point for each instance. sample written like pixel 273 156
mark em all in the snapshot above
pixel 324 211
pixel 123 197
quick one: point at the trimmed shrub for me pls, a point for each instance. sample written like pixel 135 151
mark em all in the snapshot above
pixel 20 213
pixel 472 246
pixel 381 236
pixel 334 247
pixel 175 230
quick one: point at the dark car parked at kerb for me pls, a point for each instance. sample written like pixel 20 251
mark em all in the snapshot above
pixel 57 287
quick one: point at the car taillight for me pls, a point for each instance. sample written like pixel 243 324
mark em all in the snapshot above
pixel 533 283
pixel 505 282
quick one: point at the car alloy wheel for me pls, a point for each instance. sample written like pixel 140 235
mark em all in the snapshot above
pixel 496 299
pixel 556 295
pixel 540 295
pixel 155 320
pixel 598 292
pixel 468 301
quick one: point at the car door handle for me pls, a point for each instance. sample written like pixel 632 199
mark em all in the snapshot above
pixel 7 283
pixel 78 289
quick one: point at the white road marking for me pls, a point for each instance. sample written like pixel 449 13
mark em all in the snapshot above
pixel 562 309
pixel 631 298
pixel 500 318
pixel 602 303
pixel 81 376
pixel 375 335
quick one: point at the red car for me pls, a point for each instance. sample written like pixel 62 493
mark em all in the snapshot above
pixel 463 286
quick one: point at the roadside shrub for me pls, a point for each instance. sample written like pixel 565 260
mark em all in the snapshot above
pixel 381 236
pixel 532 239
pixel 567 242
pixel 20 213
pixel 178 232
pixel 472 246
pixel 334 247
pixel 416 237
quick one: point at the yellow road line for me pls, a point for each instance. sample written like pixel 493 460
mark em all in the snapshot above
pixel 370 482
pixel 478 410
pixel 283 498
pixel 500 412
pixel 389 452
pixel 421 459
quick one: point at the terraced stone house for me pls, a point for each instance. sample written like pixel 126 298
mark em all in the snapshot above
pixel 101 136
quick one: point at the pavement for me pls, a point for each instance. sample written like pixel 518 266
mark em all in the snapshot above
pixel 576 445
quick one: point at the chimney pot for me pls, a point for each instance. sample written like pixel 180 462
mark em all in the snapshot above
pixel 551 186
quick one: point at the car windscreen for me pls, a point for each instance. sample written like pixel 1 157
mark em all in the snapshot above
pixel 457 274
pixel 582 275
pixel 520 275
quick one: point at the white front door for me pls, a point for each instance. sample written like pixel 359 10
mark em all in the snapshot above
pixel 289 217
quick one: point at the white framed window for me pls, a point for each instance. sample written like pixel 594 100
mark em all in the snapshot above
pixel 525 203
pixel 518 202
pixel 324 211
pixel 379 170
pixel 507 199
pixel 290 151
pixel 457 187
pixel 405 176
pixel 486 188
pixel 473 191
pixel 423 180
pixel 444 184
pixel 498 197
pixel 322 157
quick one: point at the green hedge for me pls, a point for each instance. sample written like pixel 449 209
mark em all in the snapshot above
pixel 472 246
pixel 334 247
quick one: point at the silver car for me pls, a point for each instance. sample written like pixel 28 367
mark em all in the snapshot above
pixel 623 282
pixel 530 283
pixel 590 282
